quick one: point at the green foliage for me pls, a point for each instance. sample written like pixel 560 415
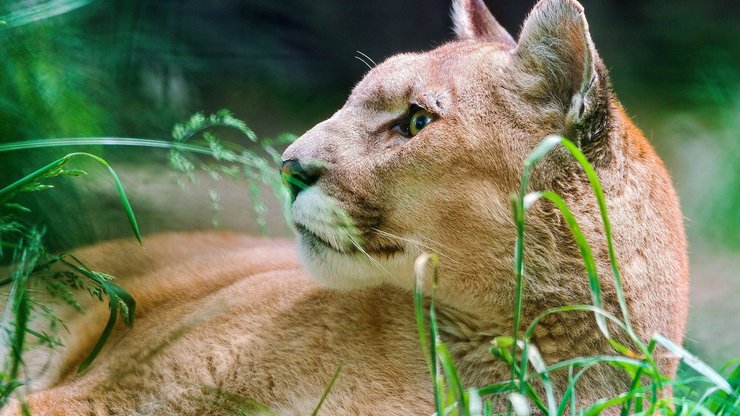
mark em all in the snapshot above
pixel 64 275
pixel 18 307
pixel 229 159
pixel 30 183
pixel 31 262
pixel 119 302
pixel 720 396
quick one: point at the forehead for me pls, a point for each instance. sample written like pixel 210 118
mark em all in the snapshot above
pixel 447 68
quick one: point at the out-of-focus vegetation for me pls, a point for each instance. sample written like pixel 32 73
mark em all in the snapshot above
pixel 133 68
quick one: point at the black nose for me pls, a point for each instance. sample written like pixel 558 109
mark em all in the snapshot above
pixel 296 177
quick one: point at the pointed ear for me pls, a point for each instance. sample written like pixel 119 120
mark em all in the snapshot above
pixel 555 47
pixel 473 20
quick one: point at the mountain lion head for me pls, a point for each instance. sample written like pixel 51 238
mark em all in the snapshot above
pixel 428 148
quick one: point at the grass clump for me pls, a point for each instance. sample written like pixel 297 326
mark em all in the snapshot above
pixel 31 262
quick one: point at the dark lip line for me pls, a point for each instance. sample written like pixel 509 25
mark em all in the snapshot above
pixel 305 231
pixel 386 251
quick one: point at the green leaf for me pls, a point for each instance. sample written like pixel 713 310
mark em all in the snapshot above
pixel 54 168
pixel 497 388
pixel 17 207
pixel 35 187
pixel 15 187
pixel 74 172
pixel 453 380
pixel 119 301
pixel 26 256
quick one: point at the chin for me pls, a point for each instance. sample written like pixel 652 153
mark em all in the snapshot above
pixel 355 270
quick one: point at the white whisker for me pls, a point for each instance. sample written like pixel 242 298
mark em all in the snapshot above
pixel 361 250
pixel 416 243
pixel 368 58
pixel 363 61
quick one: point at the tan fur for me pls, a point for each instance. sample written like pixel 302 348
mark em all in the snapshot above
pixel 221 313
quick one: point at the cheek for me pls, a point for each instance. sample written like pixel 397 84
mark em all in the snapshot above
pixel 469 204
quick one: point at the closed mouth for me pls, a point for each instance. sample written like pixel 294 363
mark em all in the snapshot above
pixel 378 250
pixel 315 239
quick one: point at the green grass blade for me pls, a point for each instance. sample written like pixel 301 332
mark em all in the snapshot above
pixel 437 378
pixel 326 391
pixel 593 178
pixel 113 307
pixel 123 297
pixel 114 141
pixel 603 404
pixel 487 408
pixel 573 400
pixel 420 266
pixel 18 311
pixel 599 359
pixel 497 388
pixel 705 398
pixel 543 148
pixel 518 209
pixel 519 217
pixel 429 346
pixel 453 380
pixel 55 168
pixel 698 408
pixel 119 301
pixel 636 383
pixel 10 190
pixel 736 373
pixel 692 361
pixel 121 193
pixel 21 310
pixel 126 204
pixel 569 394
pixel 539 365
pixel 586 256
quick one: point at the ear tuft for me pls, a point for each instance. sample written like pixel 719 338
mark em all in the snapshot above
pixel 472 20
pixel 555 47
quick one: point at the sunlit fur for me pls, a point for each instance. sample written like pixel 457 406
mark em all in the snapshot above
pixel 239 315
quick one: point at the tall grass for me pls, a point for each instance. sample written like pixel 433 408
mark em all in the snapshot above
pixel 719 395
pixel 30 261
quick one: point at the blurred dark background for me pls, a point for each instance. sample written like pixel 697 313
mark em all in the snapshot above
pixel 133 68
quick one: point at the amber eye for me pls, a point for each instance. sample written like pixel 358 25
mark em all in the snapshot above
pixel 420 119
pixel 415 119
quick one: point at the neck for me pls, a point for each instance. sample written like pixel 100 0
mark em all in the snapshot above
pixel 468 338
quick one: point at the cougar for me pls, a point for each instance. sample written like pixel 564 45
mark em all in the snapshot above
pixel 422 158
